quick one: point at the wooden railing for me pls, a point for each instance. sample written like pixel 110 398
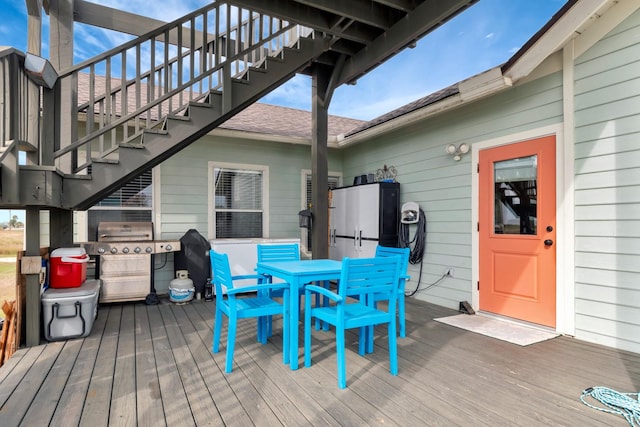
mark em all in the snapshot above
pixel 14 99
pixel 19 123
pixel 118 94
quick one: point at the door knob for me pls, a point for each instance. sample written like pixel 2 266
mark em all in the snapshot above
pixel 548 242
pixel 549 228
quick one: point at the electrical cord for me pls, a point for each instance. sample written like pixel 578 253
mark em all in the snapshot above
pixel 419 238
pixel 166 255
pixel 416 253
pixel 416 245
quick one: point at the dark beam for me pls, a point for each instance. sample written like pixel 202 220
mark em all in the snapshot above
pixel 304 15
pixel 319 163
pixel 428 16
pixel 113 19
pixel 34 7
pixel 32 287
pixel 369 13
pixel 403 5
pixel 127 23
pixel 60 228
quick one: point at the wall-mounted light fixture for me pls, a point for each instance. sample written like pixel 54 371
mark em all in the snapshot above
pixel 40 71
pixel 458 151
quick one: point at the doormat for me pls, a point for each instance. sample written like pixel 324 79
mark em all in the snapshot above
pixel 497 328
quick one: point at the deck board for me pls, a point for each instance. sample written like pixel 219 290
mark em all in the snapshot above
pixel 152 366
pixel 174 397
pixel 71 401
pixel 149 410
pixel 124 396
pixel 45 402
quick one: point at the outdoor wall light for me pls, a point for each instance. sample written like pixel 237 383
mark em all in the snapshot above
pixel 40 71
pixel 458 151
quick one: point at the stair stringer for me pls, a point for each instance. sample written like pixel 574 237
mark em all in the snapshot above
pixel 179 132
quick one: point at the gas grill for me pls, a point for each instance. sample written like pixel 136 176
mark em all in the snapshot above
pixel 124 262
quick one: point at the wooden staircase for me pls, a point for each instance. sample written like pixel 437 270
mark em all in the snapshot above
pixel 112 117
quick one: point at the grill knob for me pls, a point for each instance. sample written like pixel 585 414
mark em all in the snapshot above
pixel 168 248
pixel 137 249
pixel 100 250
pixel 125 250
pixel 114 250
pixel 148 249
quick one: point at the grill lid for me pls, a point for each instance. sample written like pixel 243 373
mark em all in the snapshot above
pixel 125 231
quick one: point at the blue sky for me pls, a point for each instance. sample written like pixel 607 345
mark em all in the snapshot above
pixel 483 36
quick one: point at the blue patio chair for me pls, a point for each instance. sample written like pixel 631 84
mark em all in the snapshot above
pixel 241 303
pixel 279 252
pixel 284 252
pixel 382 251
pixel 362 277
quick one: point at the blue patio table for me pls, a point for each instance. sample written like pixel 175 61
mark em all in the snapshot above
pixel 297 274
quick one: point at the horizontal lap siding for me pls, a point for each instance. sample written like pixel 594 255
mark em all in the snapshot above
pixel 607 189
pixel 442 186
pixel 184 186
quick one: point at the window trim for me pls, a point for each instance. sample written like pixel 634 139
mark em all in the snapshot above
pixel 211 217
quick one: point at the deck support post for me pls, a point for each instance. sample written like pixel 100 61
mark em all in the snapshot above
pixel 319 163
pixel 32 288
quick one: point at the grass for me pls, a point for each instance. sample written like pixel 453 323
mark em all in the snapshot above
pixel 11 242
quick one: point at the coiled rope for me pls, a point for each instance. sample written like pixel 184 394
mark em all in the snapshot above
pixel 615 403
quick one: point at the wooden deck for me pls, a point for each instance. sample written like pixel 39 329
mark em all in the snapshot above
pixel 152 366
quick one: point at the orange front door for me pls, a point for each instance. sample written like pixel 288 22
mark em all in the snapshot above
pixel 518 230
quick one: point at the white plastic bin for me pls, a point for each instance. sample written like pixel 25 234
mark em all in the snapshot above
pixel 70 312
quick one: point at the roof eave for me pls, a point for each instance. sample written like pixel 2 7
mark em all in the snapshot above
pixel 469 90
pixel 569 22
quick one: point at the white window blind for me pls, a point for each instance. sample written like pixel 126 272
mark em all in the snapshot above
pixel 238 202
pixel 133 202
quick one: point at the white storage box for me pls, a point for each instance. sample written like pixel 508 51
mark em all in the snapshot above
pixel 70 312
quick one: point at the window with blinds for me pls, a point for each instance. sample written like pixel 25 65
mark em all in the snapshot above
pixel 238 207
pixel 133 202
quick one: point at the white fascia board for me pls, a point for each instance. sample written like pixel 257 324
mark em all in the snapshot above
pixel 478 86
pixel 255 136
pixel 568 26
pixel 603 24
pixel 401 121
pixel 483 84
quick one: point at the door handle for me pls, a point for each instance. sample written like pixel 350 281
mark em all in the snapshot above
pixel 548 242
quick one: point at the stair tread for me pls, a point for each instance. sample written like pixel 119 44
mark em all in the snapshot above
pixel 131 145
pixel 101 160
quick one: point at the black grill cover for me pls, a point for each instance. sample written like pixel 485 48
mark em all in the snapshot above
pixel 194 257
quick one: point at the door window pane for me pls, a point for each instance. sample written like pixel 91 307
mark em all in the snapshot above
pixel 515 195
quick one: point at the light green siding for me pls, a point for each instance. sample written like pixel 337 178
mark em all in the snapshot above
pixel 607 189
pixel 184 186
pixel 442 186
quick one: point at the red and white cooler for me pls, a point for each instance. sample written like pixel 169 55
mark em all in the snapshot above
pixel 68 267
